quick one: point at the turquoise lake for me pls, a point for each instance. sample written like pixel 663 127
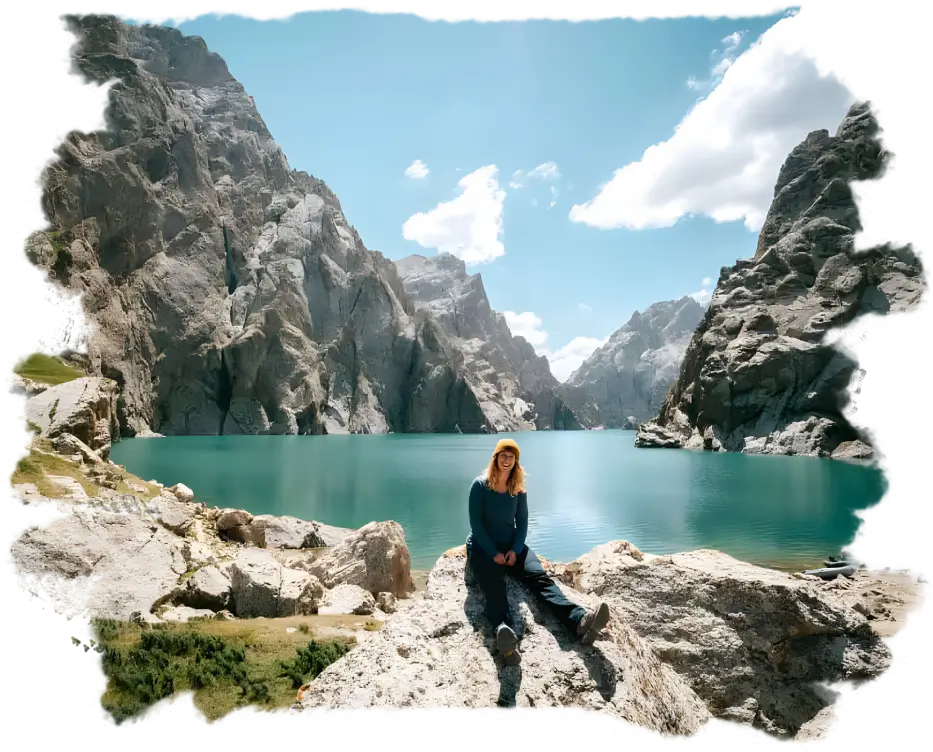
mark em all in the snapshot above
pixel 584 488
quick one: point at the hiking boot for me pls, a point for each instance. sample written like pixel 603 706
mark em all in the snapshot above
pixel 592 624
pixel 507 644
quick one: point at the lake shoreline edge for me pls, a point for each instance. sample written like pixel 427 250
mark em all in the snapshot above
pixel 209 564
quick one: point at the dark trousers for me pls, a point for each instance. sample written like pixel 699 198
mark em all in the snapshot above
pixel 528 570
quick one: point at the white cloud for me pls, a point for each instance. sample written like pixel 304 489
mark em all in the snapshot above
pixel 724 156
pixel 724 60
pixel 526 325
pixel 554 195
pixel 468 226
pixel 563 361
pixel 417 170
pixel 704 294
pixel 584 308
pixel 733 41
pixel 570 357
pixel 544 171
pixel 722 66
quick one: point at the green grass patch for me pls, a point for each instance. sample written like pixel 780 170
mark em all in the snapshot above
pixel 227 664
pixel 46 369
pixel 37 466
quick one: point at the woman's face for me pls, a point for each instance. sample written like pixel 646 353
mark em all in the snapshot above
pixel 506 460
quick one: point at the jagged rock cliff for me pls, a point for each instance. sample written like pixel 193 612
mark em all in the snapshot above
pixel 756 376
pixel 625 381
pixel 227 292
pixel 515 387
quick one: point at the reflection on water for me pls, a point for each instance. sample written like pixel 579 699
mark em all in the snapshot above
pixel 585 488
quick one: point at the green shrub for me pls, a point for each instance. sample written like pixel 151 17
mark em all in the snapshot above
pixel 312 660
pixel 165 661
pixel 226 664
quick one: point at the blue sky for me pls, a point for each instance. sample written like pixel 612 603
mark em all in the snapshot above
pixel 359 100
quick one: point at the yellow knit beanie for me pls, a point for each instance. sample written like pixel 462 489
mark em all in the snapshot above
pixel 507 444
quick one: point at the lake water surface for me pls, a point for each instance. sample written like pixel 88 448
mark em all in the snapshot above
pixel 584 488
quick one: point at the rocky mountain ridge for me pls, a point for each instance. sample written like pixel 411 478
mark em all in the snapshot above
pixel 757 377
pixel 515 386
pixel 227 292
pixel 625 381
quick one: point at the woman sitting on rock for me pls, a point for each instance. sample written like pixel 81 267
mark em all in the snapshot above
pixel 496 548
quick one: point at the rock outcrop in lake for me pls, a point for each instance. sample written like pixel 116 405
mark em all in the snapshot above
pixel 757 376
pixel 227 292
pixel 515 387
pixel 624 382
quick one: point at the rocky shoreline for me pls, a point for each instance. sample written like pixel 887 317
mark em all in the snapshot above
pixel 700 645
pixel 692 635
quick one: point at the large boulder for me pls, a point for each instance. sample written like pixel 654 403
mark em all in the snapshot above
pixel 207 588
pixel 173 514
pixel 375 557
pixel 72 446
pixel 347 599
pixel 84 408
pixel 439 653
pixel 752 642
pixel 287 532
pixel 182 492
pixel 261 586
pixel 236 525
pixel 115 564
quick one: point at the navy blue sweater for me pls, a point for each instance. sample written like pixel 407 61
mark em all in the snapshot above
pixel 498 521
